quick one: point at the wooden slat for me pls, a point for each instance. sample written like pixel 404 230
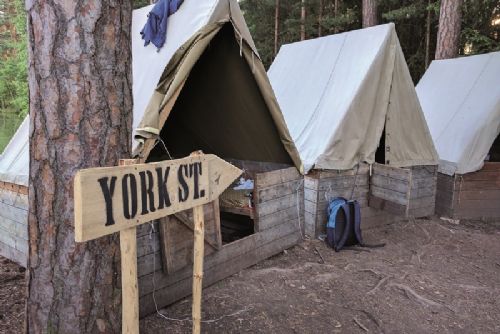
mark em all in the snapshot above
pixel 218 259
pixel 14 242
pixel 14 228
pixel 278 204
pixel 16 188
pixel 278 190
pixel 341 183
pixel 14 213
pixel 264 180
pixel 393 172
pixel 181 287
pixel 13 254
pixel 325 173
pixel 279 217
pixel 389 195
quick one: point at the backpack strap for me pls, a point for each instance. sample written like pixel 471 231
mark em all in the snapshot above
pixel 347 228
pixel 357 220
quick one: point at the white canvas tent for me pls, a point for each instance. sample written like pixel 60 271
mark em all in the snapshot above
pixel 14 160
pixel 338 92
pixel 461 102
pixel 234 113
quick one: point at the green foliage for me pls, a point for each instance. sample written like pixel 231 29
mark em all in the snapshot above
pixel 410 17
pixel 14 103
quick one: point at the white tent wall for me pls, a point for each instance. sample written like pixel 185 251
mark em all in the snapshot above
pixel 338 94
pixel 461 102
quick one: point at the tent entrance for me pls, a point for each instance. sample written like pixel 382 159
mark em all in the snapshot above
pixel 494 154
pixel 380 152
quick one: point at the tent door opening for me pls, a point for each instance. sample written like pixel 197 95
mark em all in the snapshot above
pixel 380 152
pixel 494 154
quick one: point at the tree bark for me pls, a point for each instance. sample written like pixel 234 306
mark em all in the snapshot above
pixel 80 116
pixel 428 35
pixel 303 20
pixel 320 17
pixel 450 20
pixel 276 26
pixel 335 13
pixel 369 13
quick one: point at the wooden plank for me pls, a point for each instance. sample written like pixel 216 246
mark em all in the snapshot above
pixel 216 215
pixel 13 254
pixel 486 194
pixel 472 213
pixel 13 187
pixel 130 292
pixel 165 242
pixel 14 213
pixel 279 190
pixel 264 180
pixel 481 175
pixel 389 183
pixel 228 252
pixel 14 228
pixel 491 166
pixel 359 192
pixel 14 241
pixel 476 204
pixel 148 244
pixel 389 195
pixel 278 204
pixel 281 216
pixel 181 287
pixel 342 183
pixel 363 169
pixel 419 172
pixel 310 182
pixel 393 172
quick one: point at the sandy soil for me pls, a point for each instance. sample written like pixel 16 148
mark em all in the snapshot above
pixel 431 277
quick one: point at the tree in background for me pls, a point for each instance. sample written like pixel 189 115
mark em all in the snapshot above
pixel 13 73
pixel 416 23
pixel 450 22
pixel 369 13
pixel 81 116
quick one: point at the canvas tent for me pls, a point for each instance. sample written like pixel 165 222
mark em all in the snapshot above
pixel 461 102
pixel 348 99
pixel 205 89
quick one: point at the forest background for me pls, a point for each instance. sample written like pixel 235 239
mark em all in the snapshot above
pixel 272 24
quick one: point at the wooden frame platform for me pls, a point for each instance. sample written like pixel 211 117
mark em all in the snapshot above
pixel 388 193
pixel 278 210
pixel 14 219
pixel 470 196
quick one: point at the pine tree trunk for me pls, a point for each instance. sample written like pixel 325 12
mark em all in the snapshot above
pixel 450 20
pixel 335 13
pixel 428 35
pixel 320 17
pixel 369 13
pixel 276 26
pixel 303 20
pixel 80 116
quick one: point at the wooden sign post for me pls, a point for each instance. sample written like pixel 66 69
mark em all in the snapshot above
pixel 118 199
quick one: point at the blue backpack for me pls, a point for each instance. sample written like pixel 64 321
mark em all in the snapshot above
pixel 347 231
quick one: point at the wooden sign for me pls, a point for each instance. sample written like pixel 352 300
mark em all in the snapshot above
pixel 117 199
pixel 111 199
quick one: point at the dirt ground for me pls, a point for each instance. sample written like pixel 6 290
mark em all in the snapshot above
pixel 432 276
